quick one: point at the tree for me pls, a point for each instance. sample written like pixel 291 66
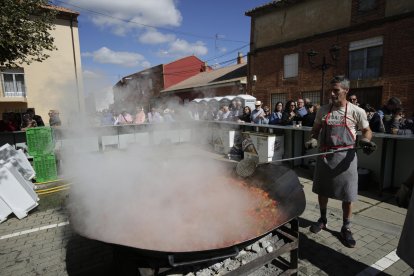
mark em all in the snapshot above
pixel 24 31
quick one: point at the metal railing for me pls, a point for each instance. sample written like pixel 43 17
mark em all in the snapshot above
pixel 392 149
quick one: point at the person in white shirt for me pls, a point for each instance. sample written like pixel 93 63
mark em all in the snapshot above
pixel 154 116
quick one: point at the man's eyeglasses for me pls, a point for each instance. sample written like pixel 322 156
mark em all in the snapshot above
pixel 353 99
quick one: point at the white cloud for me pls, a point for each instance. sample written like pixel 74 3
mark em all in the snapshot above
pixel 145 64
pixel 159 13
pixel 127 59
pixel 152 36
pixel 222 49
pixel 87 74
pixel 180 47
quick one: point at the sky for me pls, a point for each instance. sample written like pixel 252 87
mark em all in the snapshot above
pixel 121 37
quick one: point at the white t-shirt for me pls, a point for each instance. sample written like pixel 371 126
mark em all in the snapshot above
pixel 356 117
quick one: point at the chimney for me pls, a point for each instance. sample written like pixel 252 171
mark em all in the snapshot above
pixel 240 59
pixel 205 67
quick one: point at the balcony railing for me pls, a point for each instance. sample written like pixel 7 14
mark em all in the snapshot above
pixel 15 94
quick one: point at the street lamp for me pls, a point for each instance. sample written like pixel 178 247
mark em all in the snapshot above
pixel 334 53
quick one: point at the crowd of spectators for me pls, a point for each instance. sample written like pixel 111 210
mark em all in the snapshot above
pixel 300 112
pixel 389 118
pixel 155 115
pixel 21 121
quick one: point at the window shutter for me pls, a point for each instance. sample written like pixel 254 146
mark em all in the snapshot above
pixel 291 65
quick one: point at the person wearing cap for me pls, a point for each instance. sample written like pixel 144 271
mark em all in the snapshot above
pixel 336 174
pixel 386 119
pixel 257 113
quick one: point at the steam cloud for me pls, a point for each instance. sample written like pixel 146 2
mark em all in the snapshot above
pixel 167 198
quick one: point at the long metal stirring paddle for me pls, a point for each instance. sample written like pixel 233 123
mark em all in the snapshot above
pixel 247 167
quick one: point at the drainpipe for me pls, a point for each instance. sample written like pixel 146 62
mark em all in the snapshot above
pixel 74 62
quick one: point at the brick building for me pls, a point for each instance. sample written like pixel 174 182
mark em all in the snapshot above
pixel 143 88
pixel 374 37
pixel 229 80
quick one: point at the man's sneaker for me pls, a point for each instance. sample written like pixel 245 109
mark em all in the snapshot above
pixel 346 235
pixel 318 226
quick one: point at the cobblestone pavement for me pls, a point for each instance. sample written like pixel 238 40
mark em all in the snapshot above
pixel 44 244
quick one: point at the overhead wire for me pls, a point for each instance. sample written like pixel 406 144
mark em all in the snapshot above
pixel 149 26
pixel 177 73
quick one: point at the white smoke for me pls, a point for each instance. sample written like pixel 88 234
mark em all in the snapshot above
pixel 167 198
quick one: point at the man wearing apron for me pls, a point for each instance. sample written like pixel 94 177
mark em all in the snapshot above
pixel 336 174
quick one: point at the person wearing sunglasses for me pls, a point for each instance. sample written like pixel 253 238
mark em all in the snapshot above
pixel 290 114
pixel 257 113
pixel 353 99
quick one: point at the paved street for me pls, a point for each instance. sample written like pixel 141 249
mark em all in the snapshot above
pixel 376 227
pixel 44 244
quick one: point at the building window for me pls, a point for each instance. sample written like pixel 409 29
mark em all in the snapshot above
pixel 291 65
pixel 366 5
pixel 313 96
pixel 13 83
pixel 278 97
pixel 365 59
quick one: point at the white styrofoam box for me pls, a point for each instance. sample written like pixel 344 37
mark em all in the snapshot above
pixel 142 138
pixel 269 147
pixel 184 135
pixel 224 139
pixel 278 148
pixel 5 210
pixel 201 135
pixel 110 141
pixel 125 140
pixel 15 192
pixel 28 183
pixel 174 135
pixel 7 152
pixel 215 134
pixel 165 137
pixel 84 144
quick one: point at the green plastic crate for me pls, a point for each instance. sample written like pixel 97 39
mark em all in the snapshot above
pixel 45 167
pixel 40 140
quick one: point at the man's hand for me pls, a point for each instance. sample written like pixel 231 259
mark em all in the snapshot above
pixel 311 144
pixel 368 146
